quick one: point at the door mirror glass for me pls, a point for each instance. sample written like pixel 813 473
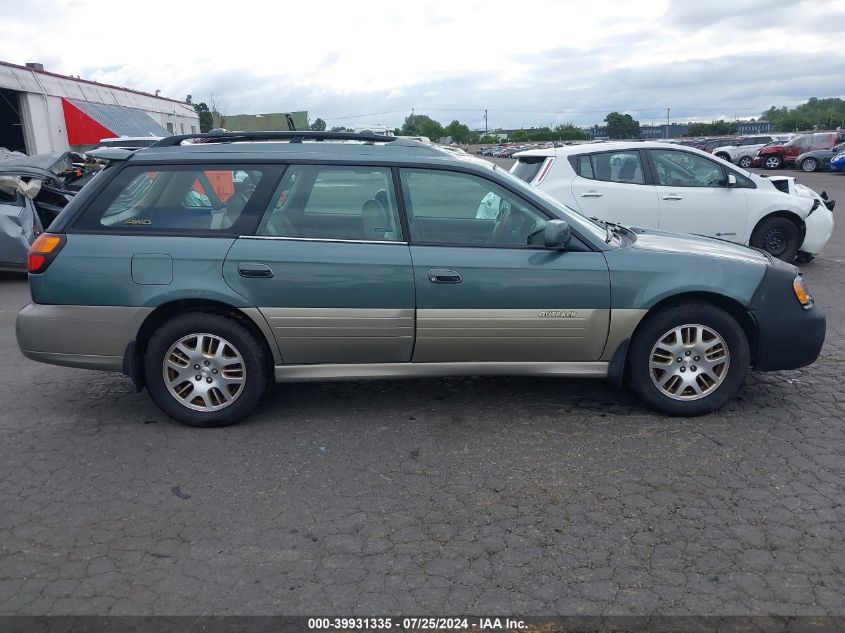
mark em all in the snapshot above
pixel 556 234
pixel 731 180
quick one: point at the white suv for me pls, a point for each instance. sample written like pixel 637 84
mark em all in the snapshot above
pixel 744 149
pixel 683 190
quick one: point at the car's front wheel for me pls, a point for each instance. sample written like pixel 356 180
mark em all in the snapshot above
pixel 772 162
pixel 809 164
pixel 205 369
pixel 778 236
pixel 688 359
pixel 745 162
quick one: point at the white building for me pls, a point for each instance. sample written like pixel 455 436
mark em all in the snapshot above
pixel 44 112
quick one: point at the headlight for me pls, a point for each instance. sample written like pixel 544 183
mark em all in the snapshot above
pixel 801 292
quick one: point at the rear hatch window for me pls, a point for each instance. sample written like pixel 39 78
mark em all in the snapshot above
pixel 528 167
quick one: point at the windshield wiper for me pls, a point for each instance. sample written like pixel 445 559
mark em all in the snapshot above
pixel 610 227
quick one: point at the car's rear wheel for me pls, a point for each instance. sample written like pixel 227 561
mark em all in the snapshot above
pixel 688 359
pixel 745 162
pixel 205 369
pixel 809 164
pixel 778 236
pixel 772 162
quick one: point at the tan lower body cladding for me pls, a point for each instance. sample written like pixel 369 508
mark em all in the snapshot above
pixel 376 335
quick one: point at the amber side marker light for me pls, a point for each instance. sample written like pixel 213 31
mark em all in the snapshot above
pixel 801 293
pixel 43 251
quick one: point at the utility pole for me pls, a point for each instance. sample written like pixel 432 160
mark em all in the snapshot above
pixel 485 121
pixel 667 122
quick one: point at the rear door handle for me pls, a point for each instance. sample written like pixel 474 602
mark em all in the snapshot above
pixel 673 197
pixel 591 194
pixel 254 270
pixel 444 276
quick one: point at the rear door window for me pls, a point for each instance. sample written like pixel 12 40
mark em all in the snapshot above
pixel 622 166
pixel 335 203
pixel 205 198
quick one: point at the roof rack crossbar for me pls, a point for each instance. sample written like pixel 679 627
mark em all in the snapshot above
pixel 295 136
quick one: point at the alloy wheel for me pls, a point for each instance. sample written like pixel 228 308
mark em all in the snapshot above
pixel 689 362
pixel 745 162
pixel 204 372
pixel 809 164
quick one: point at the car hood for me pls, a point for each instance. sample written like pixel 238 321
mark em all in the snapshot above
pixel 662 241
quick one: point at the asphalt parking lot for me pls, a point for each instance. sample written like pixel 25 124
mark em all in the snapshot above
pixel 447 496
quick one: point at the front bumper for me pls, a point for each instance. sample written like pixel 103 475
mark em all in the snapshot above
pixel 819 228
pixel 89 337
pixel 789 336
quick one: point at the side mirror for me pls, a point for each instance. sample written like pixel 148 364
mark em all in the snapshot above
pixel 731 180
pixel 556 234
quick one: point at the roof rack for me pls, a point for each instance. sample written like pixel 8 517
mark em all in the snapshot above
pixel 222 136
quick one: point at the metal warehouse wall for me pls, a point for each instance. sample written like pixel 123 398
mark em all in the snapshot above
pixel 40 95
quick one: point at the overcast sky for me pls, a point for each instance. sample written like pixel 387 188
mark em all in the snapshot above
pixel 534 62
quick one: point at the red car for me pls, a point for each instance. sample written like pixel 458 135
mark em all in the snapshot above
pixel 776 155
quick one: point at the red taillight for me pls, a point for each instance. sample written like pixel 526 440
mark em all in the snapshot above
pixel 43 251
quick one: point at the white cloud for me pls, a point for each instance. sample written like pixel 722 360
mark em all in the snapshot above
pixel 527 63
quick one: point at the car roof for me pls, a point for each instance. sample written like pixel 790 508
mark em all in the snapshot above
pixel 397 151
pixel 604 146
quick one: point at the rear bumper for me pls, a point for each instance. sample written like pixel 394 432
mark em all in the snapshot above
pixel 89 337
pixel 789 336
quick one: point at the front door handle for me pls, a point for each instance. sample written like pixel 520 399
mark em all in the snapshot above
pixel 254 270
pixel 673 196
pixel 444 276
pixel 591 194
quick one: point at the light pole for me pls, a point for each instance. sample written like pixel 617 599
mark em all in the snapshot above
pixel 667 122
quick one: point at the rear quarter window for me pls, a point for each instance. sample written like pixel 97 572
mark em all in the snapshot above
pixel 192 198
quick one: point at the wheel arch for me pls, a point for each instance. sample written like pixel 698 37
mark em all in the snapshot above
pixel 782 213
pixel 728 304
pixel 133 364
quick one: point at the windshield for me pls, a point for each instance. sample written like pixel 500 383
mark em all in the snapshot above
pixel 584 223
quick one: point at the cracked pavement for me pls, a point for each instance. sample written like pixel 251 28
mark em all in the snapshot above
pixel 443 496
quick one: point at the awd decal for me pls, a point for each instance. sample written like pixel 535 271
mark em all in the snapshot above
pixel 139 221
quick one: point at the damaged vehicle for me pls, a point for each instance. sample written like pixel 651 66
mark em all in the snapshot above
pixel 33 190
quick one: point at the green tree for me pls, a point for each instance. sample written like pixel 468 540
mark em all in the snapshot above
pixel 714 128
pixel 569 132
pixel 815 114
pixel 486 139
pixel 622 126
pixel 459 132
pixel 422 125
pixel 206 118
pixel 318 125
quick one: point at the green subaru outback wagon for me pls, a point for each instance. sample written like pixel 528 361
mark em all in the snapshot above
pixel 207 266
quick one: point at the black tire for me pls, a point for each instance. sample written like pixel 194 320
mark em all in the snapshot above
pixel 252 352
pixel 656 325
pixel 778 236
pixel 809 164
pixel 804 258
pixel 773 162
pixel 745 162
